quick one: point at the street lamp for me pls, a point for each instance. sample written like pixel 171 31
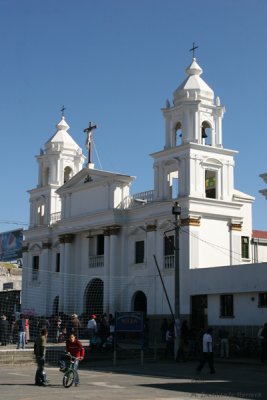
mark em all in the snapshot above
pixel 176 211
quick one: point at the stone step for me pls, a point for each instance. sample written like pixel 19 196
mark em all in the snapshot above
pixel 23 356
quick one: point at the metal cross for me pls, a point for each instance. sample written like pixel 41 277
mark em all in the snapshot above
pixel 89 140
pixel 193 49
pixel 62 110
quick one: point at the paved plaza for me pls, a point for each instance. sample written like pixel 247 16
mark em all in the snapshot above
pixel 131 381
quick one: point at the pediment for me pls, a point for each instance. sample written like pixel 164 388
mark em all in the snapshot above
pixel 92 177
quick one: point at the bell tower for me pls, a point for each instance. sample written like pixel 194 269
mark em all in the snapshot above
pixel 60 159
pixel 193 162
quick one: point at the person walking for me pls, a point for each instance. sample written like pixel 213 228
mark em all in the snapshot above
pixel 27 330
pixel 21 326
pixel 224 343
pixel 4 331
pixel 262 335
pixel 183 345
pixel 39 351
pixel 74 348
pixel 207 352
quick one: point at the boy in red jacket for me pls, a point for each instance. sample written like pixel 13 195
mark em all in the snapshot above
pixel 75 348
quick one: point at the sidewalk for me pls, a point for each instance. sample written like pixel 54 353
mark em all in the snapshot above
pixel 125 356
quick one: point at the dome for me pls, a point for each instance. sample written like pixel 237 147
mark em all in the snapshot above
pixel 193 88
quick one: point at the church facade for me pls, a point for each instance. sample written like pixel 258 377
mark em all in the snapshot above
pixel 93 247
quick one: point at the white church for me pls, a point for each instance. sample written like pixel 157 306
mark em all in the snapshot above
pixel 92 246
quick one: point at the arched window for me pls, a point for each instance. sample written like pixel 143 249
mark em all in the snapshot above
pixel 206 133
pixel 40 213
pixel 178 134
pixel 67 174
pixel 139 302
pixel 93 297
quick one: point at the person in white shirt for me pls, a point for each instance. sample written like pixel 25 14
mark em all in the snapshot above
pixel 92 326
pixel 207 354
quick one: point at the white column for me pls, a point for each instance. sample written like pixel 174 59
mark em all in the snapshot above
pixel 114 259
pixel 150 251
pixel 196 127
pixel 45 277
pixel 69 285
pixel 167 132
pixel 106 270
pixel 62 273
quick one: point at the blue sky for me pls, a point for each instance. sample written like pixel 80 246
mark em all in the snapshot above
pixel 115 62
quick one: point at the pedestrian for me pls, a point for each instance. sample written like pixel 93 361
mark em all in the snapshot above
pixel 27 330
pixel 39 351
pixel 92 327
pixel 74 325
pixel 4 331
pixel 183 343
pixel 207 352
pixel 74 348
pixel 170 337
pixel 163 329
pixel 21 326
pixel 224 343
pixel 262 335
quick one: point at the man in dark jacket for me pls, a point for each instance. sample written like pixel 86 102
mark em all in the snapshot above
pixel 4 330
pixel 39 351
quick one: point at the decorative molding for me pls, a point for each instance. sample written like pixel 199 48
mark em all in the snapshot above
pixel 236 226
pixel 106 232
pixel 25 248
pixel 190 221
pixel 61 239
pixel 151 228
pixel 46 245
pixel 114 230
pixel 67 238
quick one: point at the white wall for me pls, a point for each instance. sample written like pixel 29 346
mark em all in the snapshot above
pixel 246 310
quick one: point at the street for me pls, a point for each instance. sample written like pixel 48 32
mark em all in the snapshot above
pixel 157 381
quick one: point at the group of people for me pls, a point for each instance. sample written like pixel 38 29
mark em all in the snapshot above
pixel 74 348
pixel 16 329
pixel 99 330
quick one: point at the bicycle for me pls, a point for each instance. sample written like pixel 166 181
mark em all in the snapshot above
pixel 69 374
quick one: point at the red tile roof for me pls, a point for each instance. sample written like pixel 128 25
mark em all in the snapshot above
pixel 259 234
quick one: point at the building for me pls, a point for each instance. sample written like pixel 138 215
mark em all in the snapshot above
pixel 91 246
pixel 10 289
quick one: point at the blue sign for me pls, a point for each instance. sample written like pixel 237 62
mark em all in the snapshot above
pixel 11 245
pixel 129 321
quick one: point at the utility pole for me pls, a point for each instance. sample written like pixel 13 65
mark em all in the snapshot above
pixel 176 211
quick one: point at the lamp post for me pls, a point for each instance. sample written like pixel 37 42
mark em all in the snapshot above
pixel 176 211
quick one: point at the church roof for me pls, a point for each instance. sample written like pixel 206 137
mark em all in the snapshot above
pixel 62 136
pixel 193 87
pixel 256 234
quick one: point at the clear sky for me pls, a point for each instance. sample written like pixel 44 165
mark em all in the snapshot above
pixel 115 62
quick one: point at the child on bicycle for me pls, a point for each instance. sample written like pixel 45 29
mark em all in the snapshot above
pixel 74 348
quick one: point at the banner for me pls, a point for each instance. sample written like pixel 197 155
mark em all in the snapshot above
pixel 129 321
pixel 11 245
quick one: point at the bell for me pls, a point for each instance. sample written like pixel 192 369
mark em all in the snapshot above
pixel 203 134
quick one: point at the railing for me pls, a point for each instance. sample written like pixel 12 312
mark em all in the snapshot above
pixel 137 199
pixel 96 261
pixel 169 262
pixel 55 217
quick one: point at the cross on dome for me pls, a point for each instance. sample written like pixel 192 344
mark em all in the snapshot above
pixel 193 49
